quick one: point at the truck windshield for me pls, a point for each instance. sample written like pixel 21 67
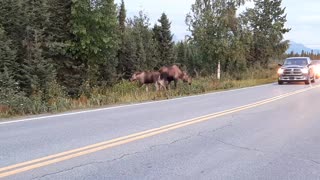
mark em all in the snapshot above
pixel 299 62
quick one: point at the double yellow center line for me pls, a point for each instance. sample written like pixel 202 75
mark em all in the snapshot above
pixel 55 158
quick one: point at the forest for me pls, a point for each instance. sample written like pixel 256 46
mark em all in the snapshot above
pixel 57 55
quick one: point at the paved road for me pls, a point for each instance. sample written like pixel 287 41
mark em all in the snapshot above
pixel 275 139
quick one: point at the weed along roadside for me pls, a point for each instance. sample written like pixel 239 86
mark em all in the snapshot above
pixel 126 92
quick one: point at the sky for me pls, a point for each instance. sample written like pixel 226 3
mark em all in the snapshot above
pixel 303 17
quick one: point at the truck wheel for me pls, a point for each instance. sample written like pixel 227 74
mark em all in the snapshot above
pixel 280 82
pixel 313 79
pixel 307 82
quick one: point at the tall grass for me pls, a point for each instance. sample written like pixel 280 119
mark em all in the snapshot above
pixel 126 92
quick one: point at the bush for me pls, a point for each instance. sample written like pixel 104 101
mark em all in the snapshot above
pixel 56 99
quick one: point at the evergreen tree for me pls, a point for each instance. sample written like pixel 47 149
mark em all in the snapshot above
pixel 70 70
pixel 7 54
pixel 181 53
pixel 267 20
pixel 146 53
pixel 122 17
pixel 59 17
pixel 8 86
pixel 123 63
pixel 38 70
pixel 129 59
pixel 13 20
pixel 164 38
pixel 10 94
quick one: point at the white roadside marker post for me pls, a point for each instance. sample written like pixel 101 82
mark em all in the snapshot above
pixel 218 71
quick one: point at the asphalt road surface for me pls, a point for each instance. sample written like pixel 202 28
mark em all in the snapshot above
pixel 264 132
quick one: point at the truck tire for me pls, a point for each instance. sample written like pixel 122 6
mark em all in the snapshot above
pixel 313 79
pixel 280 82
pixel 307 82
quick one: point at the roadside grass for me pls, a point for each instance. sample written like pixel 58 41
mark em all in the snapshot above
pixel 126 92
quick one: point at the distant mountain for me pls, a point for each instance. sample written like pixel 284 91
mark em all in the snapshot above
pixel 297 48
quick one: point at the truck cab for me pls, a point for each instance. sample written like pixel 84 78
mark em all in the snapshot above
pixel 296 69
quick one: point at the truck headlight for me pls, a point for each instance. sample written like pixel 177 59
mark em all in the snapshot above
pixel 317 70
pixel 280 71
pixel 305 70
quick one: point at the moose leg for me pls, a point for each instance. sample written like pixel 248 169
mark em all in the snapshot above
pixel 161 83
pixel 167 84
pixel 147 87
pixel 175 83
pixel 157 86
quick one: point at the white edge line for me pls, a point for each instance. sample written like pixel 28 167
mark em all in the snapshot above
pixel 128 105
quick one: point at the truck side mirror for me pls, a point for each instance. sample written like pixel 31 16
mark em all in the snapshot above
pixel 280 65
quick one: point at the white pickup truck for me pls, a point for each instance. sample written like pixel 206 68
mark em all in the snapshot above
pixel 296 69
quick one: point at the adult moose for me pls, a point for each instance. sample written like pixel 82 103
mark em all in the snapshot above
pixel 173 73
pixel 146 77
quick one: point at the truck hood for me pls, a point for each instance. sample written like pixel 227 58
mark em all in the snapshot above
pixel 294 66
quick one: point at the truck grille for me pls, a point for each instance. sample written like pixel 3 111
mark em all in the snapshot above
pixel 292 72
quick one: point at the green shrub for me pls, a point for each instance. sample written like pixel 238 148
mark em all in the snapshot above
pixel 56 99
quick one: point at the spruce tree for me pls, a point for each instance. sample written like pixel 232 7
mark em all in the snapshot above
pixel 7 54
pixel 70 70
pixel 164 38
pixel 14 20
pixel 139 39
pixel 181 53
pixel 122 60
pixel 122 17
pixel 129 59
pixel 37 68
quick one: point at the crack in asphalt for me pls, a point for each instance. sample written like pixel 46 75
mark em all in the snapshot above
pixel 248 148
pixel 239 147
pixel 151 148
pixel 303 159
pixel 200 134
pixel 82 165
pixel 214 130
pixel 291 156
pixel 86 164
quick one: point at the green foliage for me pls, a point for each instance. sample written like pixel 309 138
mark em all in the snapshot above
pixel 7 53
pixel 138 51
pixel 163 37
pixel 237 42
pixel 94 26
pixel 70 70
pixel 127 55
pixel 128 92
pixel 266 21
pixel 214 28
pixel 64 54
pixel 122 17
pixel 39 70
pixel 122 68
pixel 12 18
pixel 10 95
